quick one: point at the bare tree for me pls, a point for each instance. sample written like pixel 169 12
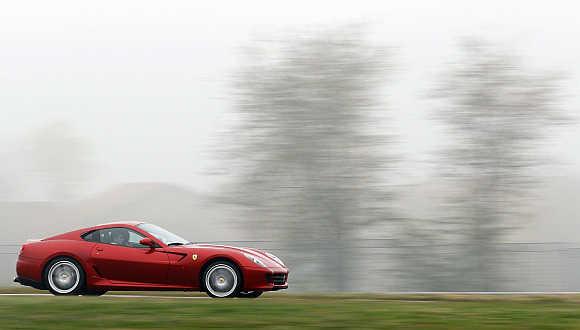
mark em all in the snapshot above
pixel 61 159
pixel 497 112
pixel 308 154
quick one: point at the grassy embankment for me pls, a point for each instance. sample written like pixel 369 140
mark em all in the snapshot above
pixel 282 311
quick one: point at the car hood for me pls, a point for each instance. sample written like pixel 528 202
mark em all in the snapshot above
pixel 263 255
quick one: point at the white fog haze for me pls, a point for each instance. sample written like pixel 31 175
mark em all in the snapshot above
pixel 135 110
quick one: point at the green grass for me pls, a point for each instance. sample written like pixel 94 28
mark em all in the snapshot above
pixel 284 311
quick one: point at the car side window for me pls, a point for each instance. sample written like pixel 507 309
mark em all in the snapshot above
pixel 92 236
pixel 116 236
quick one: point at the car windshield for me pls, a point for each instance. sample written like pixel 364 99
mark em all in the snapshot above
pixel 165 236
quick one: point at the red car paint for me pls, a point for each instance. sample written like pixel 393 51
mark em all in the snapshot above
pixel 112 267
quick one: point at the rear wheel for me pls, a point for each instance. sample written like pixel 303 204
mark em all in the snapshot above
pixel 222 279
pixel 249 294
pixel 64 276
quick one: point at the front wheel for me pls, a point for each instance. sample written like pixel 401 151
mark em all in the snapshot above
pixel 222 279
pixel 249 294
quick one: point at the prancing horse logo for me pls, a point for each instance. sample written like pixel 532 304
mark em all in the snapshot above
pixel 194 257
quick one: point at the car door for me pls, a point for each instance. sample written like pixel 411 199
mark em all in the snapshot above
pixel 125 260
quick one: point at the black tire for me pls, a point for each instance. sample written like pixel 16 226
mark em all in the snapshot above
pixel 94 292
pixel 221 279
pixel 249 294
pixel 64 276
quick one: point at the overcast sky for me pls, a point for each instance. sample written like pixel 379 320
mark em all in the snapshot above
pixel 147 81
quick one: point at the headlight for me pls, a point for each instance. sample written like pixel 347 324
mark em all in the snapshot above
pixel 256 260
pixel 275 258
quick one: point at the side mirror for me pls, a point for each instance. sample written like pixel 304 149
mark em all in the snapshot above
pixel 148 242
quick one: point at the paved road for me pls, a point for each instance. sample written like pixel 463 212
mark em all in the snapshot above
pixel 105 296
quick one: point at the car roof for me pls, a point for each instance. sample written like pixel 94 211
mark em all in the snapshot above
pixel 74 234
pixel 128 223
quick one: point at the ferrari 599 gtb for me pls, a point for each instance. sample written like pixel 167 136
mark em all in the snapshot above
pixel 143 256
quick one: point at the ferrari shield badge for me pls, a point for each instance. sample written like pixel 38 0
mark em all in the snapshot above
pixel 194 257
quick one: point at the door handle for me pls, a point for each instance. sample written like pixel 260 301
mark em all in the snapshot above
pixel 99 249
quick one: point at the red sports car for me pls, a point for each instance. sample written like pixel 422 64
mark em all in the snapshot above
pixel 143 256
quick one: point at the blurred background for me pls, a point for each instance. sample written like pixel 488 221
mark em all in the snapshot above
pixel 373 146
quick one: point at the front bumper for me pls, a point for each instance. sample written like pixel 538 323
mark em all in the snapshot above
pixel 265 279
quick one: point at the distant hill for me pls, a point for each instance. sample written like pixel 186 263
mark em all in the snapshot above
pixel 552 216
pixel 179 209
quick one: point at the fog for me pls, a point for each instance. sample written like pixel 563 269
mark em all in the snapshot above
pixel 408 116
